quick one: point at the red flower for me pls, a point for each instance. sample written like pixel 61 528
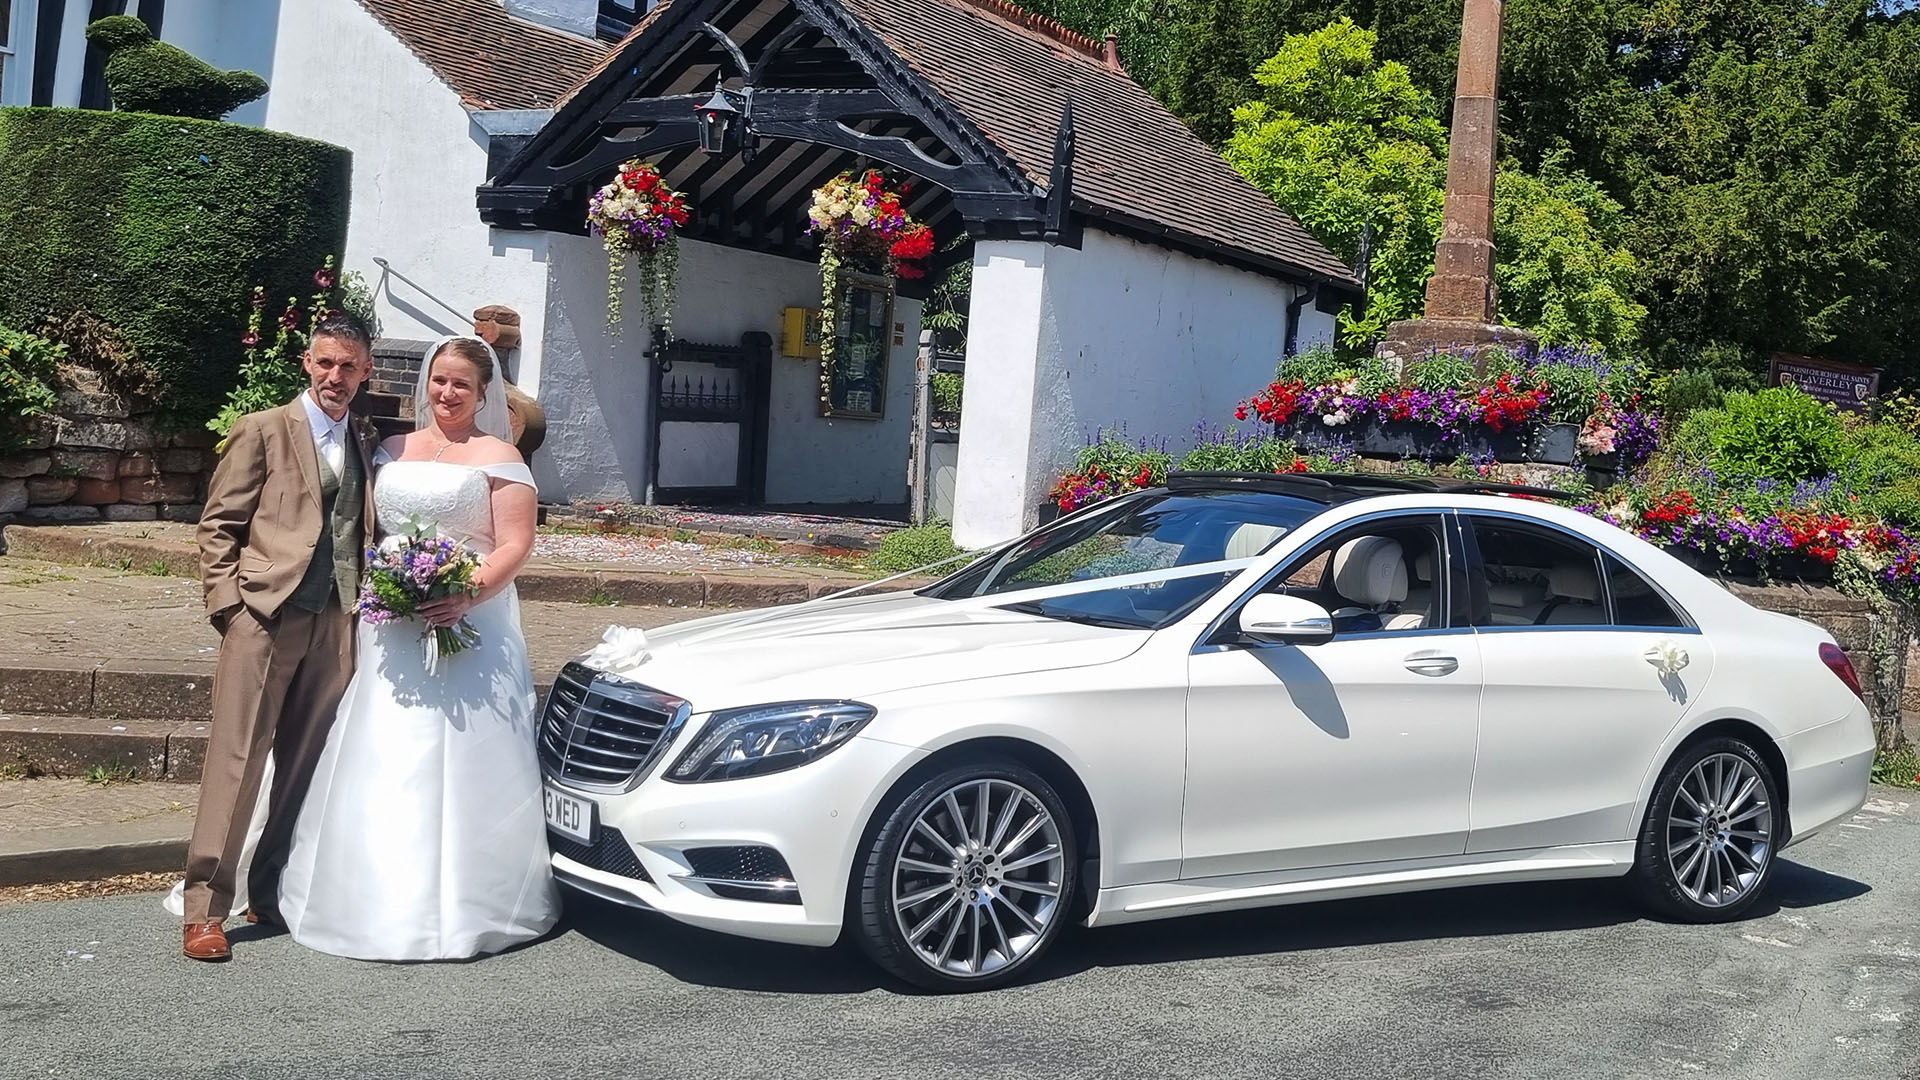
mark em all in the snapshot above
pixel 1144 477
pixel 1671 509
pixel 290 319
pixel 259 296
pixel 250 339
pixel 323 278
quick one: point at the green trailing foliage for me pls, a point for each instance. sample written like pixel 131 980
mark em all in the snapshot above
pixel 150 76
pixel 910 549
pixel 157 226
pixel 28 364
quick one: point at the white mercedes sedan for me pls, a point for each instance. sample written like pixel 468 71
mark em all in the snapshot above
pixel 1230 692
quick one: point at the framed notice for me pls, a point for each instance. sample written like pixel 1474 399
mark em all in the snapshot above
pixel 1845 386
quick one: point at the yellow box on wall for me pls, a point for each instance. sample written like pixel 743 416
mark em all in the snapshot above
pixel 801 338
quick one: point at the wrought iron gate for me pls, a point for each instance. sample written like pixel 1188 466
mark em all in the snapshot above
pixel 709 422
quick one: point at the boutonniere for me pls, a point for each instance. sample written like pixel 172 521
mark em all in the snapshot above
pixel 363 426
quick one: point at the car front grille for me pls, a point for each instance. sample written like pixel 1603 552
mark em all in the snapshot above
pixel 600 732
pixel 610 853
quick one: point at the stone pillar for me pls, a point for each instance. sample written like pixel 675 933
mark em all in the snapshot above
pixel 1006 438
pixel 1461 309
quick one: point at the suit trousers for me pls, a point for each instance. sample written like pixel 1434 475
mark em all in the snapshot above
pixel 276 688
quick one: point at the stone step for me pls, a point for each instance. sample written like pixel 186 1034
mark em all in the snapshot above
pixel 172 750
pixel 131 689
pixel 69 745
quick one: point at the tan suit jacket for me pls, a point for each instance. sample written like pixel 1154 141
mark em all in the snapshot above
pixel 263 513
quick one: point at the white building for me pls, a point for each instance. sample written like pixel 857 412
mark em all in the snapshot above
pixel 1122 273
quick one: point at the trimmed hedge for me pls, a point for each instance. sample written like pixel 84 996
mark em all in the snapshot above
pixel 160 226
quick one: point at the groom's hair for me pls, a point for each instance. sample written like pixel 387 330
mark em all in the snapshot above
pixel 347 326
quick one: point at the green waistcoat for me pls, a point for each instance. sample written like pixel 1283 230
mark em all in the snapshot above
pixel 335 567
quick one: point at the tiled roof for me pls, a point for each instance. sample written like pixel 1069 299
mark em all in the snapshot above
pixel 493 61
pixel 1009 73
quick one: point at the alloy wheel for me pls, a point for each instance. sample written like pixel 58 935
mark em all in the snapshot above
pixel 979 879
pixel 1719 832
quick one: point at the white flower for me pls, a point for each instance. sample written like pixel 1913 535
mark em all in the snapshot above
pixel 620 648
pixel 1667 658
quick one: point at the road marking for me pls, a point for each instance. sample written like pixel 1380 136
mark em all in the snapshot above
pixel 1885 806
pixel 1851 825
pixel 1757 940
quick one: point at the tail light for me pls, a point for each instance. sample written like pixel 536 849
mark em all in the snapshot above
pixel 1836 660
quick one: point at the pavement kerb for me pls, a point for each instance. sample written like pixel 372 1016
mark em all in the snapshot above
pixel 91 863
pixel 74 544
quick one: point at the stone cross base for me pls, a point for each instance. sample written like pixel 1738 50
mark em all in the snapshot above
pixel 1414 339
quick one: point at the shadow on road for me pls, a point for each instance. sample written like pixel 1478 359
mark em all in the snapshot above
pixel 711 959
pixel 705 958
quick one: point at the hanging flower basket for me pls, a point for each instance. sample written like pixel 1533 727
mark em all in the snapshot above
pixel 638 214
pixel 863 225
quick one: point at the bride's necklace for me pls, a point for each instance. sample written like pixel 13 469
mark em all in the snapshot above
pixel 445 443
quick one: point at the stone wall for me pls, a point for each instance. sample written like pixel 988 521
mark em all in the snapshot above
pixel 103 457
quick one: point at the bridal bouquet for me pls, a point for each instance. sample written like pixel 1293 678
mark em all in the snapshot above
pixel 412 567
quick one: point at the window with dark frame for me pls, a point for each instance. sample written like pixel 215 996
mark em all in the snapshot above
pixel 1422 607
pixel 857 384
pixel 6 39
pixel 1537 577
pixel 1635 601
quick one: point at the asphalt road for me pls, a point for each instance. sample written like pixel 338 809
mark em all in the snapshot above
pixel 1559 981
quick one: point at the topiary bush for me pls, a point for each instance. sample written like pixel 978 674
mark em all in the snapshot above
pixel 151 76
pixel 159 226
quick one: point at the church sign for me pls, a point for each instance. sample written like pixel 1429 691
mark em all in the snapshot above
pixel 1845 386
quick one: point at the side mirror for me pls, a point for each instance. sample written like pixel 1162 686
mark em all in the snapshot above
pixel 1286 620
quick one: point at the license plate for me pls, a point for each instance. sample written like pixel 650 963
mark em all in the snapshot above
pixel 569 815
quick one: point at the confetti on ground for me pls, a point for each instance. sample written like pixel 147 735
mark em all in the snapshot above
pixel 651 552
pixel 74 890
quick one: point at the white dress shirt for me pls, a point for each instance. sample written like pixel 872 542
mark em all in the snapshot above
pixel 329 435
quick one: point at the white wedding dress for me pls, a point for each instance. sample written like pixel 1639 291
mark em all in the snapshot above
pixel 422 837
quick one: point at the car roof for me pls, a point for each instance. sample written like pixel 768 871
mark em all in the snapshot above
pixel 1331 488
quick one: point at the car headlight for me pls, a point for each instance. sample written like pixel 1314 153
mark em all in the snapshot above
pixel 765 739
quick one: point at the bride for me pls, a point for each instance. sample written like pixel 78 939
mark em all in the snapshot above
pixel 422 836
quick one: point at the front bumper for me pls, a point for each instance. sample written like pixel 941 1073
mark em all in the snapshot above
pixel 813 816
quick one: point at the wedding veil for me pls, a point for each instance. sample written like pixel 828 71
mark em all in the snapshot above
pixel 492 419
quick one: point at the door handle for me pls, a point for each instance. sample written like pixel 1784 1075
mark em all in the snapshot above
pixel 1432 664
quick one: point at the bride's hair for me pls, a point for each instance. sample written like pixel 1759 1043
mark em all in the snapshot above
pixel 474 352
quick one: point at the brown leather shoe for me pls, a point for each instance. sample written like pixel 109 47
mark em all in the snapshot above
pixel 256 917
pixel 206 941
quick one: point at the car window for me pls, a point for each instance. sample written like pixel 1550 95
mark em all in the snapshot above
pixel 1154 530
pixel 1376 576
pixel 1635 601
pixel 1535 577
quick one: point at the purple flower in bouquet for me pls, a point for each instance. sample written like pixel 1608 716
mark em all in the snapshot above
pixel 415 567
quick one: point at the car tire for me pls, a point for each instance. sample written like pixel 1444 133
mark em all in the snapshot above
pixel 1711 836
pixel 957 915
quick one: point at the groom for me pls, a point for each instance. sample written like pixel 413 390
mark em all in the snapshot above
pixel 280 556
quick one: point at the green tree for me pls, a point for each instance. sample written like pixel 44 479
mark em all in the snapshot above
pixel 1344 142
pixel 1563 267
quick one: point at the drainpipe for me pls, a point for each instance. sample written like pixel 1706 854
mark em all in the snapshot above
pixel 1303 295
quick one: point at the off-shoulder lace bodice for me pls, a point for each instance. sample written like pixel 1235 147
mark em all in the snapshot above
pixel 453 497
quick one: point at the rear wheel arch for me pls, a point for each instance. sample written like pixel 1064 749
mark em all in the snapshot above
pixel 1753 735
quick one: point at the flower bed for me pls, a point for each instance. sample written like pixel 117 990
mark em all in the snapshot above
pixel 1559 406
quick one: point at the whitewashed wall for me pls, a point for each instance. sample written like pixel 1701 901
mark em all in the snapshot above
pixel 1116 334
pixel 594 388
pixel 417 158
